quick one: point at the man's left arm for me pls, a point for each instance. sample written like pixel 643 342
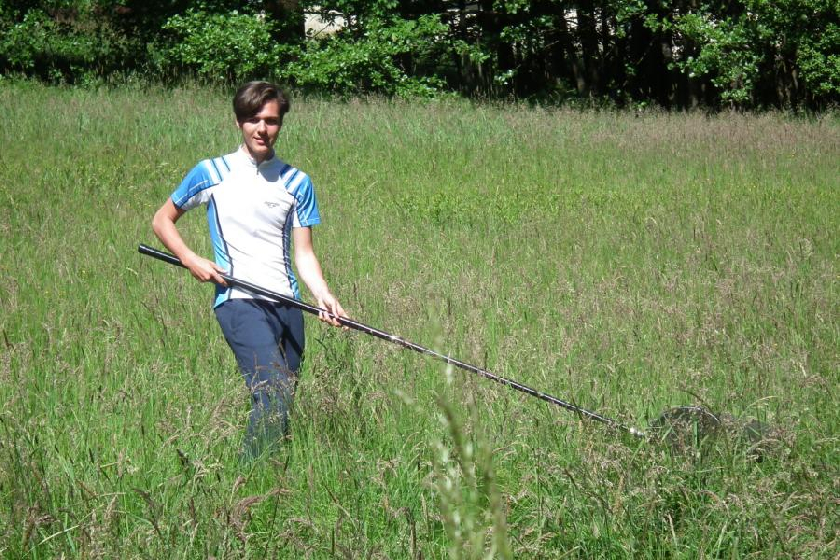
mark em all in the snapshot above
pixel 309 270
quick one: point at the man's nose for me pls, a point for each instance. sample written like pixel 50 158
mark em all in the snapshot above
pixel 261 126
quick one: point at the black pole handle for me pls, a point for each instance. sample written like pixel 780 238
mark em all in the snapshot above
pixel 160 255
pixel 253 288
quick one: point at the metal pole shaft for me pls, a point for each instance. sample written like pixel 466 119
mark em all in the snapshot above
pixel 355 325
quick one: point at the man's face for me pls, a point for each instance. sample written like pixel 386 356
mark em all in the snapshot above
pixel 260 131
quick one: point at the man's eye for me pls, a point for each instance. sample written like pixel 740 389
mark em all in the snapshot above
pixel 272 122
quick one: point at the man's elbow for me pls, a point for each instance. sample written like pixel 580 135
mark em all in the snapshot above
pixel 160 220
pixel 156 222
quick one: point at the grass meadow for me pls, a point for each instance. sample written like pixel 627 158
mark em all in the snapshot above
pixel 626 262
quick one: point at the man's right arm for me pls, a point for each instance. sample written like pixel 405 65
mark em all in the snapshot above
pixel 163 225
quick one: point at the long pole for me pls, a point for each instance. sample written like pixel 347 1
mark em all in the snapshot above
pixel 355 325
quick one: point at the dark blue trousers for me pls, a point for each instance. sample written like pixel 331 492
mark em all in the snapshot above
pixel 267 339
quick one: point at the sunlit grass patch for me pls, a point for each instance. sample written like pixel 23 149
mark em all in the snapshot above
pixel 627 264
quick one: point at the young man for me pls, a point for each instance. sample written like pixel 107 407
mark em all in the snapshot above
pixel 258 209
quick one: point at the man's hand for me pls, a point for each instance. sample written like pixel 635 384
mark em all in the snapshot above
pixel 330 303
pixel 204 270
pixel 310 272
pixel 163 225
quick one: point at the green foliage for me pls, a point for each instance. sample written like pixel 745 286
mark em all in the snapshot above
pixel 726 54
pixel 751 46
pixel 360 11
pixel 675 53
pixel 144 19
pixel 818 54
pixel 471 507
pixel 79 48
pixel 225 47
pixel 382 58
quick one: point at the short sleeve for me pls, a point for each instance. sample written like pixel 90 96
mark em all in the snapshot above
pixel 306 205
pixel 194 189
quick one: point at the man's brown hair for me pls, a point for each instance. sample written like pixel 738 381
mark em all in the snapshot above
pixel 251 97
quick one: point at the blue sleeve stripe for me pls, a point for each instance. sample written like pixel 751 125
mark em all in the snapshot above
pixel 209 171
pixel 306 205
pixel 224 161
pixel 296 182
pixel 288 174
pixel 219 244
pixel 216 169
pixel 287 237
pixel 220 248
pixel 193 190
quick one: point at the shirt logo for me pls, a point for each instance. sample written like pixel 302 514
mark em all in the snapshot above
pixel 271 204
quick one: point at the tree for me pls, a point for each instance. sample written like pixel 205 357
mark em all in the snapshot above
pixel 672 53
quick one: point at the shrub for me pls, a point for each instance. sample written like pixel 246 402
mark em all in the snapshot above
pixel 383 58
pixel 79 48
pixel 219 47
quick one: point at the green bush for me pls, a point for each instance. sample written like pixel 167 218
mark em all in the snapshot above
pixel 744 53
pixel 383 58
pixel 819 60
pixel 752 46
pixel 226 47
pixel 82 48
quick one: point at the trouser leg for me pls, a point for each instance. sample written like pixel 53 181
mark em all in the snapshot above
pixel 271 385
pixel 267 340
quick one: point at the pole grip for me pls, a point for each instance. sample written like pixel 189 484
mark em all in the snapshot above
pixel 160 255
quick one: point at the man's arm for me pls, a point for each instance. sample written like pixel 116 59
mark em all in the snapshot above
pixel 163 225
pixel 310 272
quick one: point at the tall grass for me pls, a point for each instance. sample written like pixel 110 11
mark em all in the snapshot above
pixel 625 262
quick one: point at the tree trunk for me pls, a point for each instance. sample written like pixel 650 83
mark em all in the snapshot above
pixel 589 47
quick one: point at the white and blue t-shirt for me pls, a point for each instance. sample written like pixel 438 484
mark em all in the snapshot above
pixel 251 210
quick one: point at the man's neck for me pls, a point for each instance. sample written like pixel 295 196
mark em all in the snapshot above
pixel 256 159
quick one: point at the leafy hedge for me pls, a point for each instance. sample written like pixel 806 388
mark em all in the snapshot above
pixel 43 46
pixel 229 47
pixel 677 53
